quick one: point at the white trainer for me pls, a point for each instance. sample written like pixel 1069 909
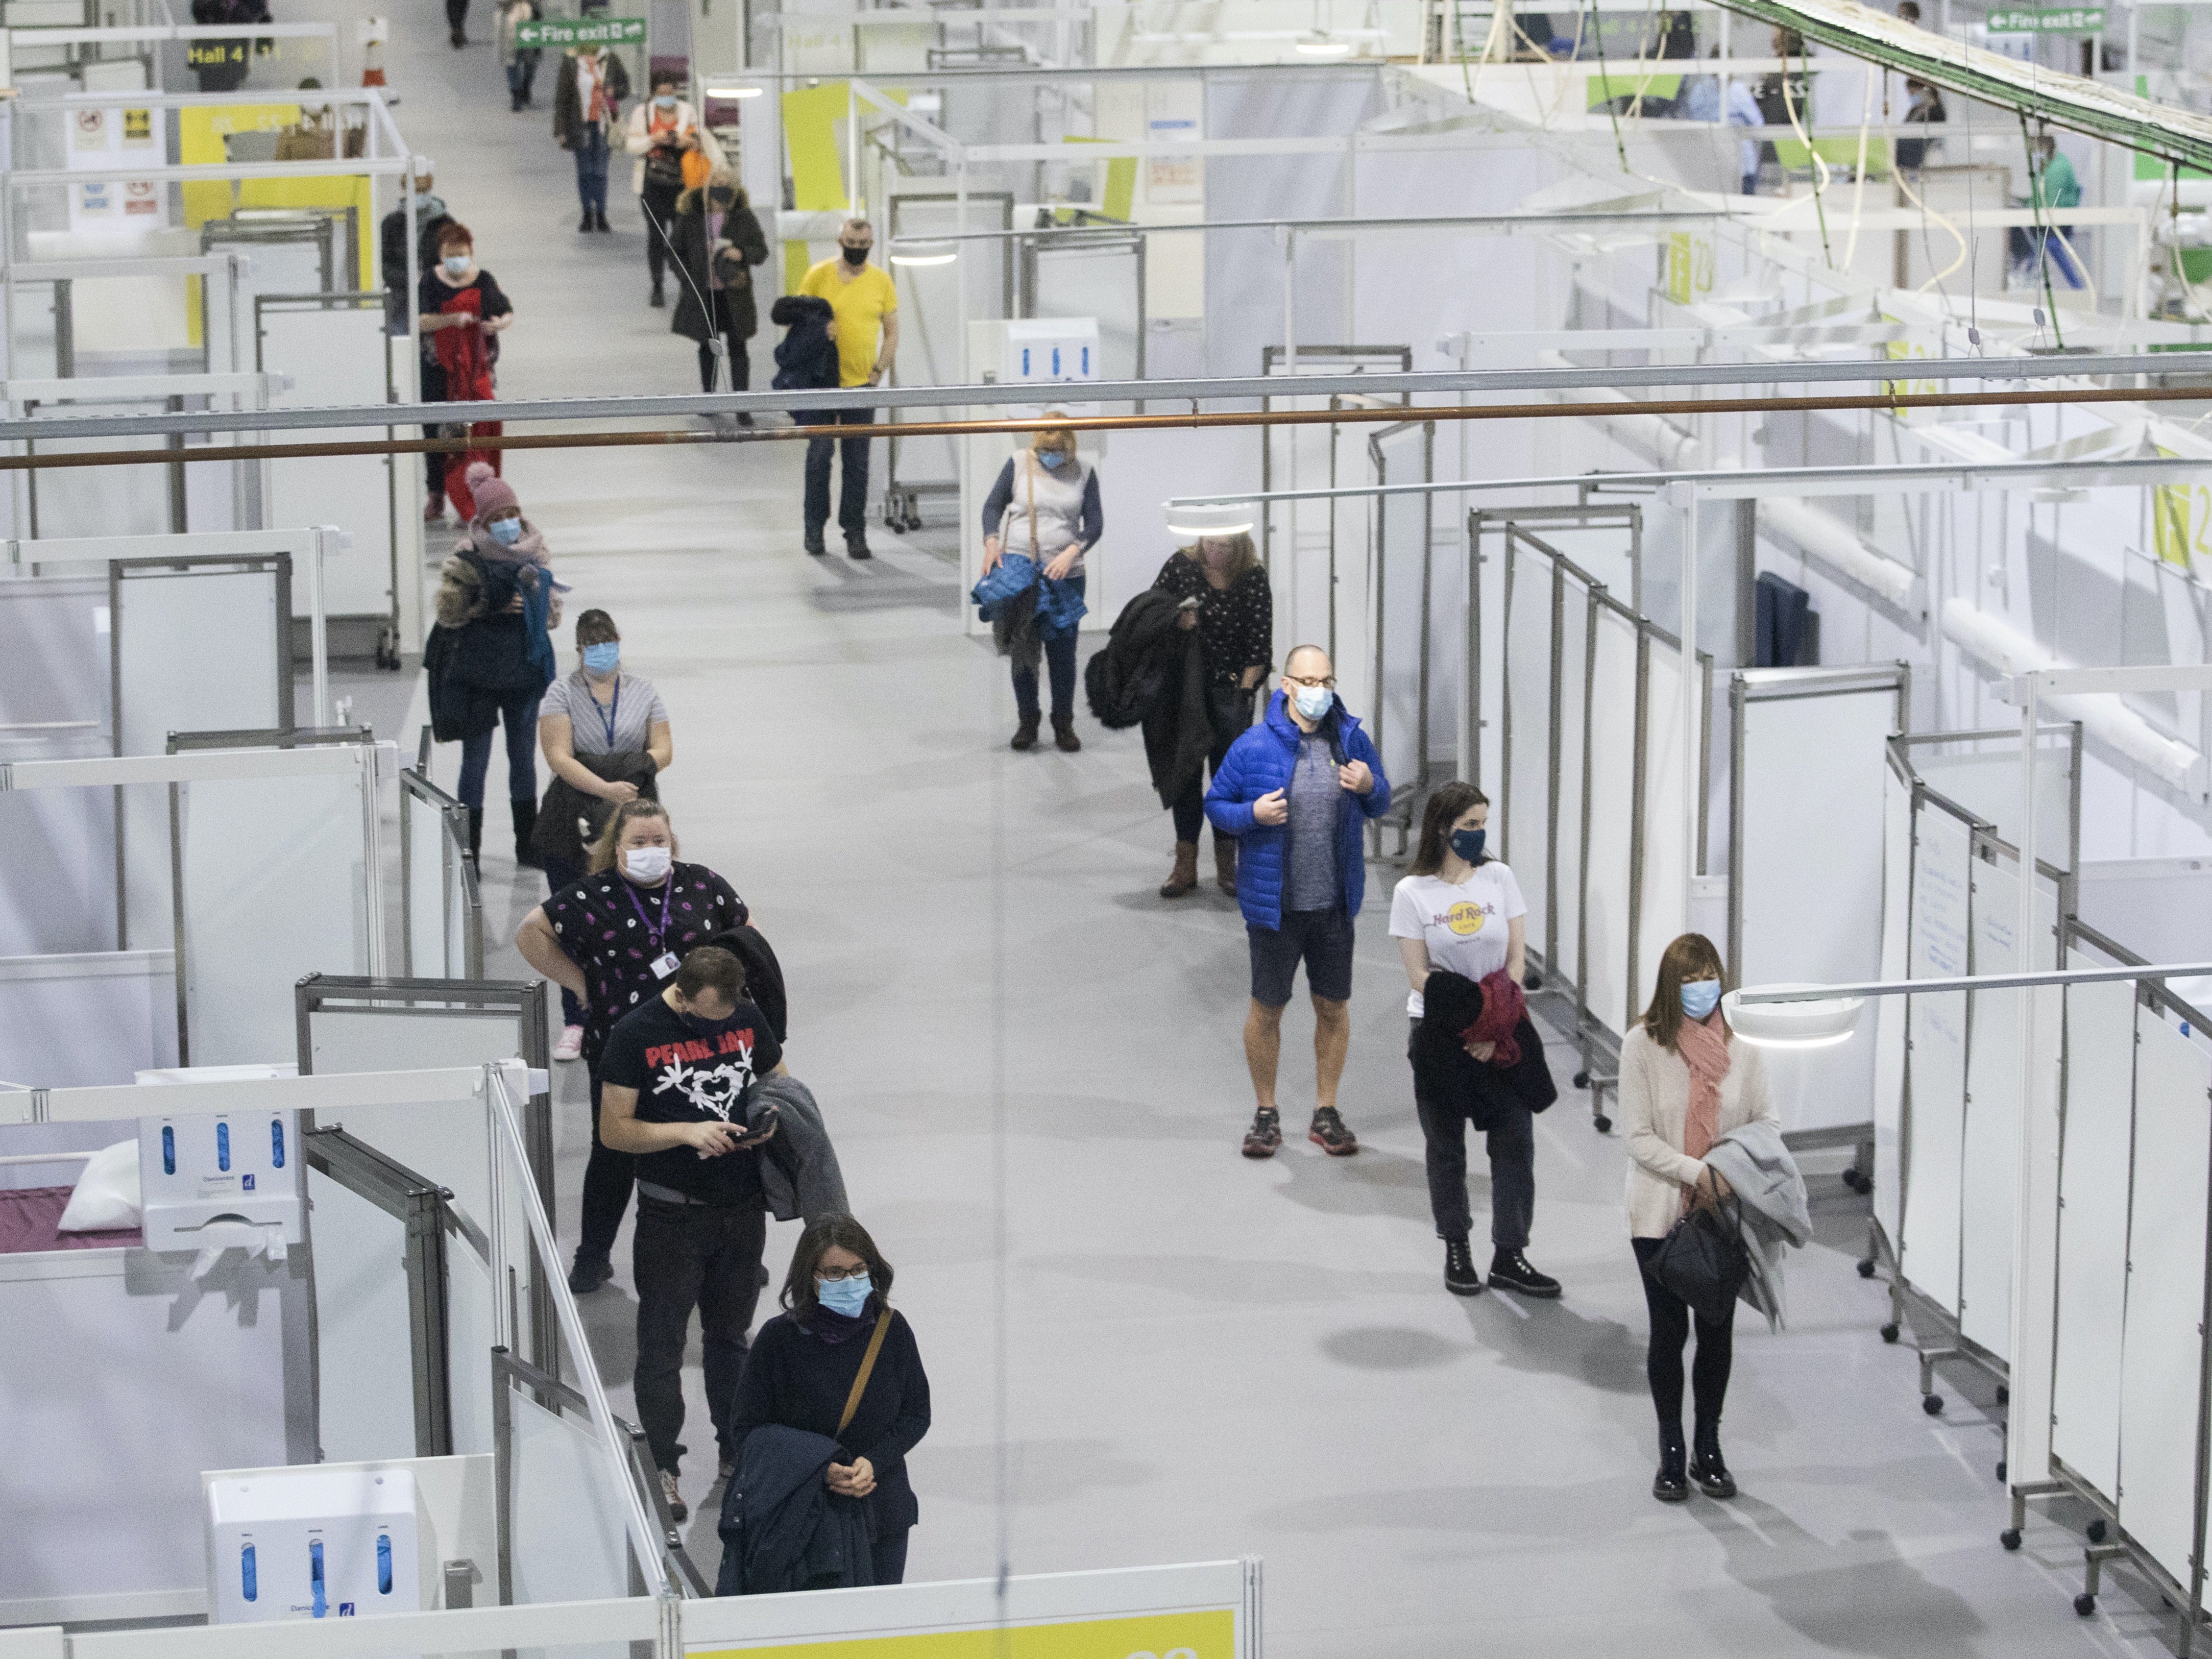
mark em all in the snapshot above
pixel 569 1045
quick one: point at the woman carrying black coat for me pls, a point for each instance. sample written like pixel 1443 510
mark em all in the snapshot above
pixel 718 240
pixel 805 1362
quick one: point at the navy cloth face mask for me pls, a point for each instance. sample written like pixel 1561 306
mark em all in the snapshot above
pixel 1467 843
pixel 1701 997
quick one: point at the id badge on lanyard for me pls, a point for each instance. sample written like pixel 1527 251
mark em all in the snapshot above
pixel 667 962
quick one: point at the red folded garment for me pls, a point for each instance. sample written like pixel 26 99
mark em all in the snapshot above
pixel 1503 1004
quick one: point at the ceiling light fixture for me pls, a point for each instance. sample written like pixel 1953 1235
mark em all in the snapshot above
pixel 1815 1023
pixel 1213 518
pixel 1324 46
pixel 734 92
pixel 923 253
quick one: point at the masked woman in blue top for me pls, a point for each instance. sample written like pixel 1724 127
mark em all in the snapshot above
pixel 1043 506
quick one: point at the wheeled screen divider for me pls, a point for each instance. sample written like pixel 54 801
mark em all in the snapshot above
pixel 1588 692
pixel 2133 1287
pixel 1807 751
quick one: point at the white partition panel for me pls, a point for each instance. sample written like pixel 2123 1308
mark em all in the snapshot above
pixel 335 355
pixel 365 1374
pixel 1668 856
pixel 1805 893
pixel 1989 1156
pixel 568 1542
pixel 1613 998
pixel 2161 1359
pixel 2092 1227
pixel 1936 1068
pixel 1523 728
pixel 1572 717
pixel 168 679
pixel 1891 1013
pixel 299 854
pixel 49 1004
pixel 451 1145
pixel 1400 528
pixel 57 883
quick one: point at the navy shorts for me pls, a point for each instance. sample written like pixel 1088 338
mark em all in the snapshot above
pixel 1321 938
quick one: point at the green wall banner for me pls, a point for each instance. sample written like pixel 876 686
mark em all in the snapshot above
pixel 2061 20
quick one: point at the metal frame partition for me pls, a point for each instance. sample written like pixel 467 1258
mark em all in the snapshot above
pixel 459 891
pixel 1949 942
pixel 2131 1153
pixel 1562 983
pixel 1407 794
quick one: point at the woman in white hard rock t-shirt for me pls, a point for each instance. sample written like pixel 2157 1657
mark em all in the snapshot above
pixel 1462 910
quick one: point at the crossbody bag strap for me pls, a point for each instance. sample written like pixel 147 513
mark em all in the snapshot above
pixel 867 1368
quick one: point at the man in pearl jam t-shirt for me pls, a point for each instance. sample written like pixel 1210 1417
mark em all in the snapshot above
pixel 673 1077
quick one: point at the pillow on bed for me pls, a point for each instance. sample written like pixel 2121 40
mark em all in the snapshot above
pixel 107 1195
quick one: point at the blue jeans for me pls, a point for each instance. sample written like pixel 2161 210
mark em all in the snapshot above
pixel 519 714
pixel 1059 666
pixel 592 170
pixel 853 491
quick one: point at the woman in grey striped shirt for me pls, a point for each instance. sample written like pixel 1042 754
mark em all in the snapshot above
pixel 596 710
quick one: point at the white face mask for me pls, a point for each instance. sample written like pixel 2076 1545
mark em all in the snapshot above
pixel 647 864
pixel 457 262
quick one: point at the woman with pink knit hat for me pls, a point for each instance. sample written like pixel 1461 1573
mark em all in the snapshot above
pixel 491 657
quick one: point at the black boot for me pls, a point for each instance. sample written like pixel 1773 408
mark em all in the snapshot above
pixel 1708 1469
pixel 1025 732
pixel 1459 1276
pixel 585 223
pixel 1509 1270
pixel 659 300
pixel 1671 1484
pixel 526 821
pixel 476 832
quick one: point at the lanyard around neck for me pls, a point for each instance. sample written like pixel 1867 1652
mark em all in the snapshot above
pixel 667 886
pixel 607 714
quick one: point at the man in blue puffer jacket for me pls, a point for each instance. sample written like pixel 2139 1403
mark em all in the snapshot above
pixel 1294 790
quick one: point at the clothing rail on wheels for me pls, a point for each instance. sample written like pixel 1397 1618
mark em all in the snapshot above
pixel 1586 691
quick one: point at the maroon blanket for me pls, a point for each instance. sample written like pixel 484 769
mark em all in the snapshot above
pixel 29 1215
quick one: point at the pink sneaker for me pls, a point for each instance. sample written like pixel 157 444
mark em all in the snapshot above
pixel 569 1045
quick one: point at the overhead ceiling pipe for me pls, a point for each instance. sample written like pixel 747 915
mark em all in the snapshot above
pixel 1998 645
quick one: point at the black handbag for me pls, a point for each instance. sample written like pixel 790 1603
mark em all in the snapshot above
pixel 1702 1260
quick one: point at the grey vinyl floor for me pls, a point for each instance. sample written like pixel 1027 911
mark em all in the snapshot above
pixel 1142 1347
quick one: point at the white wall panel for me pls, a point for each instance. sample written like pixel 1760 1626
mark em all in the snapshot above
pixel 2161 1358
pixel 1936 1068
pixel 2092 1227
pixel 1613 998
pixel 1891 1014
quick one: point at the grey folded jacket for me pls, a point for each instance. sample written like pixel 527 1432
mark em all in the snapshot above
pixel 799 1173
pixel 1753 1160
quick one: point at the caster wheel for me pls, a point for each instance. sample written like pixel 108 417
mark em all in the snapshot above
pixel 1602 1125
pixel 2004 1394
pixel 1866 1269
pixel 1932 1404
pixel 1889 1333
pixel 2000 1469
pixel 2009 1538
pixel 2095 1532
pixel 2085 1605
pixel 1582 1080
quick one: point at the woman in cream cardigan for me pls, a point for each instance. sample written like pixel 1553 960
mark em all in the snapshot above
pixel 1685 1082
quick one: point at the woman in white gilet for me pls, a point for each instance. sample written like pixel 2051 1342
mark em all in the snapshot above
pixel 1044 506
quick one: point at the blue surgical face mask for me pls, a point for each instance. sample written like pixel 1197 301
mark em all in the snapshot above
pixel 848 1297
pixel 1701 997
pixel 456 263
pixel 1312 701
pixel 1467 843
pixel 664 100
pixel 506 531
pixel 1052 458
pixel 602 658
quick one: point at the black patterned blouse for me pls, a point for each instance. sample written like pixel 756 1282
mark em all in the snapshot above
pixel 1236 624
pixel 615 930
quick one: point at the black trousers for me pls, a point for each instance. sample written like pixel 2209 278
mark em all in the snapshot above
pixel 1671 1333
pixel 659 201
pixel 457 14
pixel 741 367
pixel 852 493
pixel 889 1556
pixel 690 1256
pixel 608 1177
pixel 1512 1143
pixel 1228 713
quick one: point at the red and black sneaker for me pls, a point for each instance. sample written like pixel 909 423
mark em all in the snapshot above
pixel 1327 1132
pixel 1266 1135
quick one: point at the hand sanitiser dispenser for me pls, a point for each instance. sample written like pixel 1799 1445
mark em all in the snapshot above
pixel 213 1182
pixel 314 1543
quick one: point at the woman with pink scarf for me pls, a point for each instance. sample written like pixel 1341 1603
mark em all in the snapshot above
pixel 1685 1082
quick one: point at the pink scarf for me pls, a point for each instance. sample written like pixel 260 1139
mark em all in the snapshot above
pixel 1704 1046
